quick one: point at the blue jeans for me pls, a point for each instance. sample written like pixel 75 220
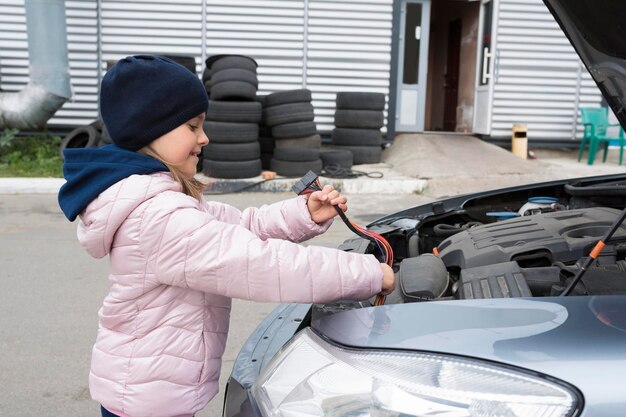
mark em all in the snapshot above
pixel 107 413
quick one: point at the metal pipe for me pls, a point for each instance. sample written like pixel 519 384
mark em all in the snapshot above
pixel 49 84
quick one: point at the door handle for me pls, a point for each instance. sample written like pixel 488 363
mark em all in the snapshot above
pixel 486 59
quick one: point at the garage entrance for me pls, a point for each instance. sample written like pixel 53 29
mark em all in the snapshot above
pixel 452 55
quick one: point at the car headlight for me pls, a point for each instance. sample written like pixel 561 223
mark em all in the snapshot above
pixel 311 377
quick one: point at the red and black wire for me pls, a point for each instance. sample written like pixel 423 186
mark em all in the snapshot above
pixel 380 242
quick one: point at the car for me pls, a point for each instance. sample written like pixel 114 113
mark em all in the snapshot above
pixel 509 302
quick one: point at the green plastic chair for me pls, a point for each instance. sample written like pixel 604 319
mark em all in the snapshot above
pixel 596 122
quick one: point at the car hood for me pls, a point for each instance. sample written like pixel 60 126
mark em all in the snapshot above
pixel 597 31
pixel 579 340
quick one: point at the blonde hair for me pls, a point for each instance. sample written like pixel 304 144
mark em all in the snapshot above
pixel 189 186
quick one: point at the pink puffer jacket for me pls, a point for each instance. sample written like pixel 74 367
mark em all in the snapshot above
pixel 175 265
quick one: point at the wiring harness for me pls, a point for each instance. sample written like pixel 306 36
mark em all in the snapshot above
pixel 309 184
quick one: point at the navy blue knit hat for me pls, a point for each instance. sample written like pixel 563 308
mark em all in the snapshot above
pixel 142 97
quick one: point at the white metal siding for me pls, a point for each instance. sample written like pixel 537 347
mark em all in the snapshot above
pixel 270 31
pixel 348 49
pixel 336 46
pixel 81 18
pixel 540 81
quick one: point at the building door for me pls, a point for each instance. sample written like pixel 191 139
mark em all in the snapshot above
pixel 412 65
pixel 485 64
pixel 451 76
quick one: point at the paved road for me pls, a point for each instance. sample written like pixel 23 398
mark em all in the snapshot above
pixel 51 290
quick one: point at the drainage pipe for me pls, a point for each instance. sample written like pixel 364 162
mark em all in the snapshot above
pixel 49 84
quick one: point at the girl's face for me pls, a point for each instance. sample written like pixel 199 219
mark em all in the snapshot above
pixel 181 147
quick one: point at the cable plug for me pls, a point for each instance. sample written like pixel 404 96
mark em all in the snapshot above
pixel 304 182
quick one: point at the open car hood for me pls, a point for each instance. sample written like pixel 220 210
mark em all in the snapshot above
pixel 597 30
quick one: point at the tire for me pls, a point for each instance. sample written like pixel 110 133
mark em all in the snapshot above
pixel 357 137
pixel 233 90
pixel 97 124
pixel 288 113
pixel 235 74
pixel 206 74
pixel 295 169
pixel 297 154
pixel 81 137
pixel 360 101
pixel 105 138
pixel 267 144
pixel 232 151
pixel 230 169
pixel 289 96
pixel 266 160
pixel 313 141
pixel 337 158
pixel 364 154
pixel 294 130
pixel 220 62
pixel 234 111
pixel 188 62
pixel 225 132
pixel 367 119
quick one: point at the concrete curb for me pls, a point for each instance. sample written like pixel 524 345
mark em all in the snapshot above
pixel 390 183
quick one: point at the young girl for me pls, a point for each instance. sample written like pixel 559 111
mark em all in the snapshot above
pixel 177 260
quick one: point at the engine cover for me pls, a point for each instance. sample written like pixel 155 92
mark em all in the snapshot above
pixel 539 240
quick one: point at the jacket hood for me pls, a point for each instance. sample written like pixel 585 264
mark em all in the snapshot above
pixel 90 171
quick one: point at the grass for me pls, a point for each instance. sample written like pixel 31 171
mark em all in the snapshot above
pixel 29 156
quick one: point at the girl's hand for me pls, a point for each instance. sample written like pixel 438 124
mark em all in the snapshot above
pixel 321 204
pixel 389 279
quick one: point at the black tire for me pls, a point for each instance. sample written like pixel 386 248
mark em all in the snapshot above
pixel 188 62
pixel 105 138
pixel 234 111
pixel 364 154
pixel 297 154
pixel 231 169
pixel 81 137
pixel 224 132
pixel 232 151
pixel 235 74
pixel 206 74
pixel 288 113
pixel 295 169
pixel 360 101
pixel 364 119
pixel 232 90
pixel 357 137
pixel 294 130
pixel 313 141
pixel 261 99
pixel 267 144
pixel 341 158
pixel 220 62
pixel 97 124
pixel 290 96
pixel 266 161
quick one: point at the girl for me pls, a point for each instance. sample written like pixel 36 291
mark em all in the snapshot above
pixel 177 260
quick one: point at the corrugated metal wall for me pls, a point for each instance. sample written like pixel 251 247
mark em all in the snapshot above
pixel 539 79
pixel 326 46
pixel 347 48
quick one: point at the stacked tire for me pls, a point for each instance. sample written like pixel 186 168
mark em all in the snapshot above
pixel 232 121
pixel 266 140
pixel 88 136
pixel 290 115
pixel 358 120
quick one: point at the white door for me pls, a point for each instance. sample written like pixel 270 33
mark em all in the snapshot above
pixel 412 65
pixel 484 72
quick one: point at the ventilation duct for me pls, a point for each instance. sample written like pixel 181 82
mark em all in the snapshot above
pixel 49 84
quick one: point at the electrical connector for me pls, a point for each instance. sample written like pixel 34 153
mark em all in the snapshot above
pixel 304 182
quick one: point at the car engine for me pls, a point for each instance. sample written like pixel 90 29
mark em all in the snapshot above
pixel 511 245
